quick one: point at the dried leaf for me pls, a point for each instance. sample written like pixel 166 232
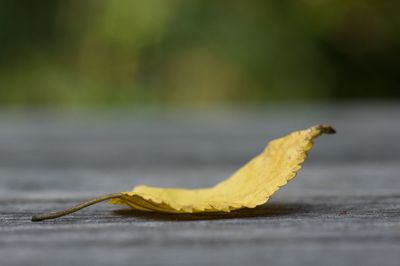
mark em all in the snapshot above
pixel 250 186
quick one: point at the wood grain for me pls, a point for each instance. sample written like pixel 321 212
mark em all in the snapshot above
pixel 342 209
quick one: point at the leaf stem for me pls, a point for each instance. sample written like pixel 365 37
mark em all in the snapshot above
pixel 53 215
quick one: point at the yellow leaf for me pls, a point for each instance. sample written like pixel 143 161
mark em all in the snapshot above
pixel 248 187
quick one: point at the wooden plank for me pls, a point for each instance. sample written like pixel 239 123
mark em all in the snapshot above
pixel 358 178
pixel 325 229
pixel 342 209
pixel 51 141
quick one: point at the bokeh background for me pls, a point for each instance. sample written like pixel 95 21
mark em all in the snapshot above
pixel 72 53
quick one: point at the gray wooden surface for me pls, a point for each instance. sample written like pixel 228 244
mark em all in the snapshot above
pixel 342 209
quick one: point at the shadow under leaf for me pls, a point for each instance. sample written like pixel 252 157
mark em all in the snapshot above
pixel 267 210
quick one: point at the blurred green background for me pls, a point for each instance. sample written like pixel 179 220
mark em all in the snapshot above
pixel 66 53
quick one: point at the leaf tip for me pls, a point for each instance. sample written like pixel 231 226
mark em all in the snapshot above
pixel 326 129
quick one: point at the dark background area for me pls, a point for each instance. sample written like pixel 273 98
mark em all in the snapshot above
pixel 195 53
